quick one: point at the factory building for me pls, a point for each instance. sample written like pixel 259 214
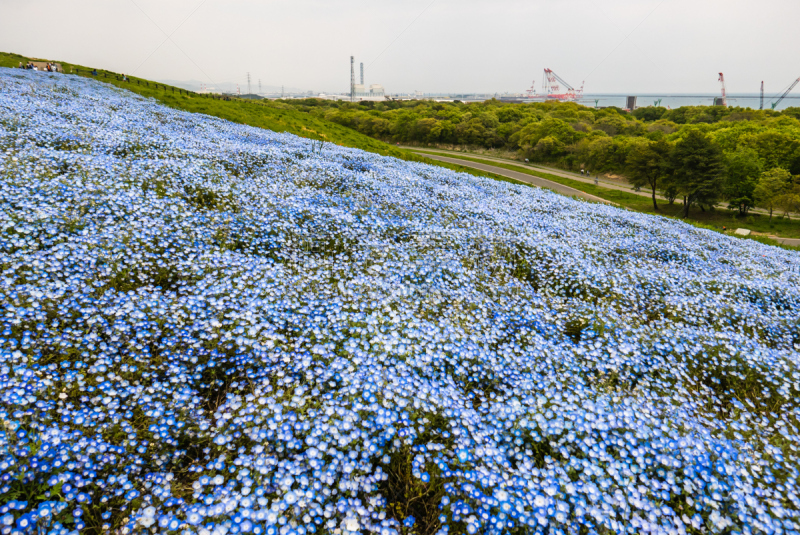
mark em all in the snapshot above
pixel 375 90
pixel 360 91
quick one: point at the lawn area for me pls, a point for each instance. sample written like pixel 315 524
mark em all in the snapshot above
pixel 280 117
pixel 714 219
pixel 265 114
pixel 211 329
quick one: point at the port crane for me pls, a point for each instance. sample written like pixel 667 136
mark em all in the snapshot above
pixel 552 87
pixel 531 93
pixel 785 94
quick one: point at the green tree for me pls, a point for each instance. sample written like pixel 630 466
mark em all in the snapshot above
pixel 743 167
pixel 426 130
pixel 648 163
pixel 789 201
pixel 697 169
pixel 775 147
pixel 771 186
pixel 548 147
pixel 649 113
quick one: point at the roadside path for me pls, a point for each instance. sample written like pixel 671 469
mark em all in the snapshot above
pixel 521 177
pixel 544 183
pixel 555 186
pixel 549 170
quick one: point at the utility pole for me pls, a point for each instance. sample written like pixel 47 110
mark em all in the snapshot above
pixel 248 83
pixel 762 95
pixel 352 78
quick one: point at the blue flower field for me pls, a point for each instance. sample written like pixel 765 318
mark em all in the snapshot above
pixel 213 329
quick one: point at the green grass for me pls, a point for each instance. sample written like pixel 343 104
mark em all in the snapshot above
pixel 713 220
pixel 265 114
pixel 280 117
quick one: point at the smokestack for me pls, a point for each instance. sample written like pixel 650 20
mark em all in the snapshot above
pixel 362 74
pixel 352 78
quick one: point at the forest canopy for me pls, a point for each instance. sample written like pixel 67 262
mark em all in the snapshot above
pixel 700 154
pixel 566 133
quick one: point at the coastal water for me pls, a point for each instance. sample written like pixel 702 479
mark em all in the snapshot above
pixel 676 100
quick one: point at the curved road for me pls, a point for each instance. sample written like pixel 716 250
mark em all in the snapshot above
pixel 521 177
pixel 555 186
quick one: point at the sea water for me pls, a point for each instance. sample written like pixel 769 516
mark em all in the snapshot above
pixel 676 100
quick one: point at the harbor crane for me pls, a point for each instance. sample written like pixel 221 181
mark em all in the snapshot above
pixel 785 94
pixel 531 93
pixel 724 100
pixel 551 87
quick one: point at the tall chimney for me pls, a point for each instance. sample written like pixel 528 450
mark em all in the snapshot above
pixel 352 78
pixel 362 74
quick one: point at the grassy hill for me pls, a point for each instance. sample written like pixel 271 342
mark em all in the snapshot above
pixel 263 114
pixel 206 328
pixel 282 117
pixel 271 115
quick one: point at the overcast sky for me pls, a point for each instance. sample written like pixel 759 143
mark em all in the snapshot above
pixel 616 46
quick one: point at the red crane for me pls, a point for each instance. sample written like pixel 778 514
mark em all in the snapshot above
pixel 724 95
pixel 531 93
pixel 552 88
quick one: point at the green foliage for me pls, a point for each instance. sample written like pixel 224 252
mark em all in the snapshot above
pixel 772 185
pixel 710 219
pixel 650 113
pixel 743 167
pixel 648 164
pixel 563 134
pixel 697 167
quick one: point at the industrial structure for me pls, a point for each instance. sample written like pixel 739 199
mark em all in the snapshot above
pixel 551 90
pixel 722 101
pixel 551 87
pixel 352 78
pixel 360 91
pixel 785 93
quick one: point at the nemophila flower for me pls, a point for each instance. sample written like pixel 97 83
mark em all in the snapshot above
pixel 207 324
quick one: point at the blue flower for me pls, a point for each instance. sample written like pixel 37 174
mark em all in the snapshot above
pixel 206 325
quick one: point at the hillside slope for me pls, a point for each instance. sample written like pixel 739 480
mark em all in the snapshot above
pixel 276 117
pixel 207 327
pixel 273 116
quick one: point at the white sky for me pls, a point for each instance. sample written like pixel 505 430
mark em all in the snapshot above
pixel 616 46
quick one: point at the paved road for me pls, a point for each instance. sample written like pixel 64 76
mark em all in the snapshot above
pixel 566 174
pixel 522 177
pixel 543 169
pixel 555 186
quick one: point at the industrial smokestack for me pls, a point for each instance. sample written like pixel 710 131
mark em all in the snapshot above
pixel 352 78
pixel 362 74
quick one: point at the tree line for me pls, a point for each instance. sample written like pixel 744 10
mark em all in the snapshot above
pixel 703 155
